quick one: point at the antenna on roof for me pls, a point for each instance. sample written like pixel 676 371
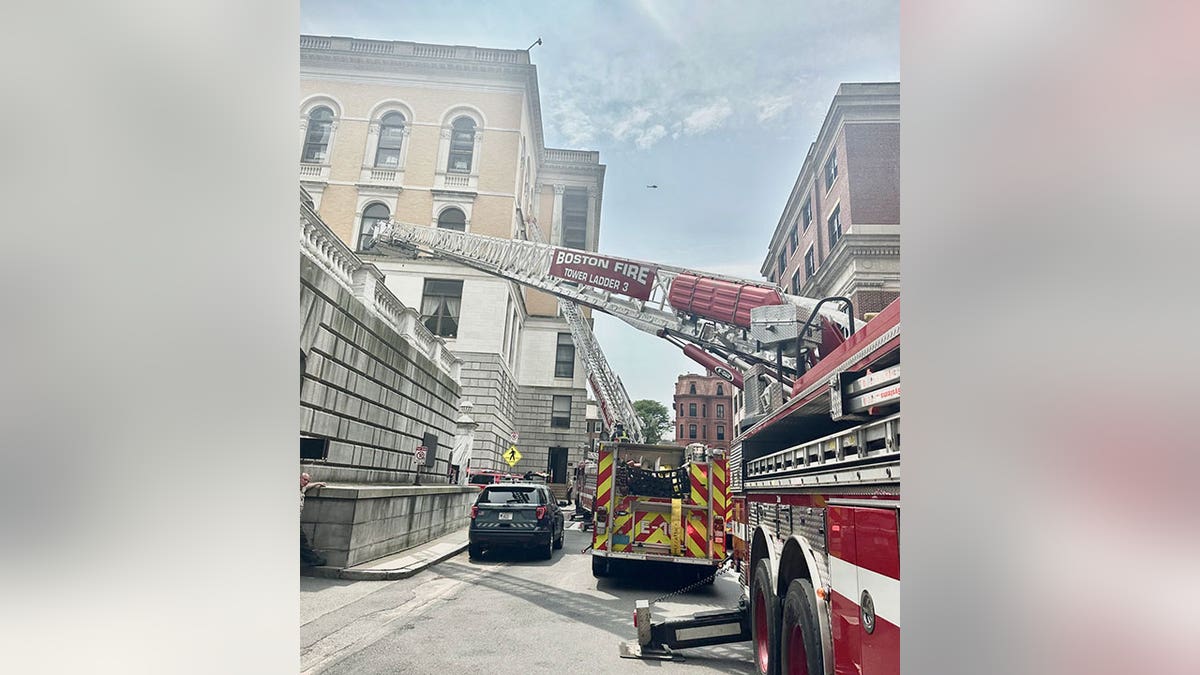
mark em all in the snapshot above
pixel 539 41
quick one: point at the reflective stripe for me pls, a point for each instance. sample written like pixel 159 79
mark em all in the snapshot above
pixel 850 581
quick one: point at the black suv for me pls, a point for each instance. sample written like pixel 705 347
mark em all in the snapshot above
pixel 515 514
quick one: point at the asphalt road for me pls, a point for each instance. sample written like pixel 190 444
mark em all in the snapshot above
pixel 508 613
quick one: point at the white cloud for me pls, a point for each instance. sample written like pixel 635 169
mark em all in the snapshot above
pixel 630 124
pixel 708 118
pixel 770 107
pixel 651 136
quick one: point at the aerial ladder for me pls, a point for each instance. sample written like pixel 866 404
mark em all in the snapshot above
pixel 731 326
pixel 619 415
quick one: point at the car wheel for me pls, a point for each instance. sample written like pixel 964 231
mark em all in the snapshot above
pixel 474 551
pixel 562 532
pixel 800 643
pixel 548 552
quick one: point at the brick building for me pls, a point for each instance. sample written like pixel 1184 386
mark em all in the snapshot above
pixel 703 410
pixel 839 233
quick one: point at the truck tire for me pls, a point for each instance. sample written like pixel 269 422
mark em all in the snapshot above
pixel 764 620
pixel 800 643
pixel 599 567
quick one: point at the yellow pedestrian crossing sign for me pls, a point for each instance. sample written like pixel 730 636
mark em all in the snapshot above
pixel 512 455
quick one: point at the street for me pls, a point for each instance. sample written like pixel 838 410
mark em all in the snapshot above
pixel 507 613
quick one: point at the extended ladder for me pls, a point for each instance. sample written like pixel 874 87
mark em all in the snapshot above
pixel 648 308
pixel 614 400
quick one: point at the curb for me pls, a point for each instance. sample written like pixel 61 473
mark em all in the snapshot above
pixel 351 574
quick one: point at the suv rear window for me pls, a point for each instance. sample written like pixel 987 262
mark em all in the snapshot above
pixel 510 495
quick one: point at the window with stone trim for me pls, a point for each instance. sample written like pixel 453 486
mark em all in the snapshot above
pixel 374 214
pixel 316 138
pixel 574 218
pixel 835 227
pixel 691 410
pixel 831 169
pixel 782 263
pixel 720 432
pixel 720 411
pixel 560 412
pixel 391 137
pixel 806 214
pixel 720 389
pixel 440 306
pixel 793 241
pixel 796 282
pixel 691 431
pixel 453 219
pixel 810 264
pixel 462 145
pixel 691 387
pixel 564 356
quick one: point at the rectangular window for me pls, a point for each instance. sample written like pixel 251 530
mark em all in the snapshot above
pixel 796 282
pixel 782 263
pixel 681 431
pixel 704 410
pixel 793 241
pixel 462 146
pixel 691 431
pixel 440 306
pixel 316 142
pixel 720 432
pixel 591 426
pixel 810 265
pixel 806 214
pixel 835 227
pixel 720 411
pixel 314 448
pixel 564 357
pixel 704 431
pixel 691 410
pixel 560 412
pixel 574 220
pixel 830 169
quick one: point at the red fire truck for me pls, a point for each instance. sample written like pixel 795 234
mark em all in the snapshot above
pixel 814 471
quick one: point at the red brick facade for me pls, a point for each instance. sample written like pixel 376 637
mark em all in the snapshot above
pixel 703 406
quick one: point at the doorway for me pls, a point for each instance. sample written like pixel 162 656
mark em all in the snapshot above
pixel 556 466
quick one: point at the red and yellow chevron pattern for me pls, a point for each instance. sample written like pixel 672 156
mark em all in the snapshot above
pixel 720 505
pixel 623 526
pixel 699 483
pixel 604 492
pixel 651 528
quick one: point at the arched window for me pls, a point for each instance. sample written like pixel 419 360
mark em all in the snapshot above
pixel 391 135
pixel 462 145
pixel 371 217
pixel 691 387
pixel 453 219
pixel 720 390
pixel 316 140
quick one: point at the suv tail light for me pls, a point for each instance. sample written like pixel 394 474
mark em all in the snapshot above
pixel 474 511
pixel 541 512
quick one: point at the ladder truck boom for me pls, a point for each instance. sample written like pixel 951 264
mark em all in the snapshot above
pixel 739 321
pixel 615 405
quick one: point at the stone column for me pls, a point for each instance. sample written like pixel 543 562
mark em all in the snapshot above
pixel 372 146
pixel 556 222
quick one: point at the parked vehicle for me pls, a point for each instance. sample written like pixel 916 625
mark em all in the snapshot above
pixel 522 515
pixel 484 478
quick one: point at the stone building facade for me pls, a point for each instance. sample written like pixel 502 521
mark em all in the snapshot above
pixel 839 233
pixel 451 136
pixel 374 385
pixel 703 411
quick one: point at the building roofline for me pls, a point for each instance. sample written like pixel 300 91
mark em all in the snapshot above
pixel 849 95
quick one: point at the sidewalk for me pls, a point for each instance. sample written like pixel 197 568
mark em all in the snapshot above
pixel 399 565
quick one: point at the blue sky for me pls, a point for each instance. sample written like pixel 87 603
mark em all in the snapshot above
pixel 715 102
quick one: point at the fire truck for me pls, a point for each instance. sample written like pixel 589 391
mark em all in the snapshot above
pixel 658 504
pixel 814 471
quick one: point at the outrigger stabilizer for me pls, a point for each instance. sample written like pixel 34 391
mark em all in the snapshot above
pixel 660 640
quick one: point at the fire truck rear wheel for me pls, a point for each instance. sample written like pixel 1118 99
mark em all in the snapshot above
pixel 599 566
pixel 800 648
pixel 764 620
